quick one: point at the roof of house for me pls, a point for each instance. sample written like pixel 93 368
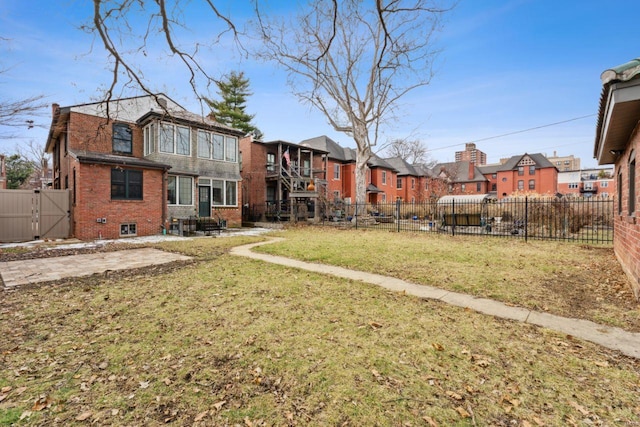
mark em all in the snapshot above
pixel 489 169
pixel 187 117
pixel 459 171
pixel 116 160
pixel 618 111
pixel 331 147
pixel 539 159
pixel 402 166
pixel 291 144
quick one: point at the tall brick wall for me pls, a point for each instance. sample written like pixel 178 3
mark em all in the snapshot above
pixel 626 240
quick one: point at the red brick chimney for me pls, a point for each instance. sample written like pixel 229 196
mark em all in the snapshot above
pixel 472 171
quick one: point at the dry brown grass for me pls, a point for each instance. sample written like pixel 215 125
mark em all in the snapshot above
pixel 231 341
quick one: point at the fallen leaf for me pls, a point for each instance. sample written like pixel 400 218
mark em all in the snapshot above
pixel 25 414
pixel 114 412
pixel 604 364
pixel 526 423
pixel 430 421
pixel 20 390
pixel 454 395
pixel 144 384
pixel 375 325
pixel 463 412
pixel 579 408
pixel 42 402
pixel 83 416
pixel 6 389
pixel 538 421
pixel 201 415
pixel 3 397
pixel 219 405
pixel 166 381
pixel 375 373
pixel 437 346
pixel 103 365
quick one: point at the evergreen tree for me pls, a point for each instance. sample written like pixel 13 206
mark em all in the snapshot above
pixel 230 111
pixel 18 171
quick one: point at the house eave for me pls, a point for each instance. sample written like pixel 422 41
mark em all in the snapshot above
pixel 617 119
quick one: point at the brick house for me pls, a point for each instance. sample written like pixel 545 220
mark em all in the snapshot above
pixel 587 183
pixel 617 142
pixel 340 170
pixel 462 177
pixel 411 180
pixel 115 159
pixel 277 177
pixel 527 173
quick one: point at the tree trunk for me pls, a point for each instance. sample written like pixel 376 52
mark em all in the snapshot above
pixel 363 154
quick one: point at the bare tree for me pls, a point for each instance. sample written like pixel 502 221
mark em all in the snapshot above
pixel 353 60
pixel 116 24
pixel 413 151
pixel 20 114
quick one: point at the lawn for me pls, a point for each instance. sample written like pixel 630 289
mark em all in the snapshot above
pixel 226 340
pixel 562 278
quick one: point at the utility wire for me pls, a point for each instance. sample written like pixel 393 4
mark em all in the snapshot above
pixel 514 132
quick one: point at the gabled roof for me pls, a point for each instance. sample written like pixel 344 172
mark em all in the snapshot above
pixel 539 159
pixel 618 112
pixel 402 166
pixel 378 162
pixel 458 171
pixel 334 150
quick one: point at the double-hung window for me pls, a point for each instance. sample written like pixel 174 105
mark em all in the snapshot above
pixel 122 140
pixel 126 184
pixel 632 184
pixel 336 171
pixel 149 139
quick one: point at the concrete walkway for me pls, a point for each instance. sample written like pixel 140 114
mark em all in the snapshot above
pixel 627 343
pixel 16 273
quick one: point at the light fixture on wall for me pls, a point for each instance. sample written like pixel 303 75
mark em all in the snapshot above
pixel 616 152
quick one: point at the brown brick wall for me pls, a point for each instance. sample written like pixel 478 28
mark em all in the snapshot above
pixel 626 241
pixel 94 201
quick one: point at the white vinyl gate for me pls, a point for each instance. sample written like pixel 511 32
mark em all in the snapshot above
pixel 34 214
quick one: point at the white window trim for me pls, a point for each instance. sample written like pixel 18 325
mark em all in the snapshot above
pixel 225 204
pixel 177 177
pixel 210 140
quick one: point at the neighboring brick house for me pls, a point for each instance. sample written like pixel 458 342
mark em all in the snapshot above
pixel 490 172
pixel 275 173
pixel 587 183
pixel 115 159
pixel 411 180
pixel 462 177
pixel 340 168
pixel 617 142
pixel 527 173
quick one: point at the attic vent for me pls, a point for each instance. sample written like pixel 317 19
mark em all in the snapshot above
pixel 162 102
pixel 526 161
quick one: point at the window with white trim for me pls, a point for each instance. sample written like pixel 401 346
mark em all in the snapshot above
pixel 149 139
pixel 175 139
pixel 128 229
pixel 180 190
pixel 224 193
pixel 632 184
pixel 384 177
pixel 336 171
pixel 231 148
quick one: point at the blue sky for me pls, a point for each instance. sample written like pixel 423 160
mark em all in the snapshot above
pixel 505 66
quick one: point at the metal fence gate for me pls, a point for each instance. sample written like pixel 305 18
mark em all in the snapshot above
pixel 34 214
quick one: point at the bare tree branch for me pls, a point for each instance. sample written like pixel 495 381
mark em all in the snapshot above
pixel 354 61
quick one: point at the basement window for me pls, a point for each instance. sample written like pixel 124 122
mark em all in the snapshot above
pixel 128 229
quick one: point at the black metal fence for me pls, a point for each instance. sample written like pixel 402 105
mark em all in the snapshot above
pixel 588 220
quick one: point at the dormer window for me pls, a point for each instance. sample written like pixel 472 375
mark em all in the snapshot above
pixel 122 141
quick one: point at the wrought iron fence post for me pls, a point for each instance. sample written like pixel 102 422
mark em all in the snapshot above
pixel 526 218
pixel 355 214
pixel 453 216
pixel 398 213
